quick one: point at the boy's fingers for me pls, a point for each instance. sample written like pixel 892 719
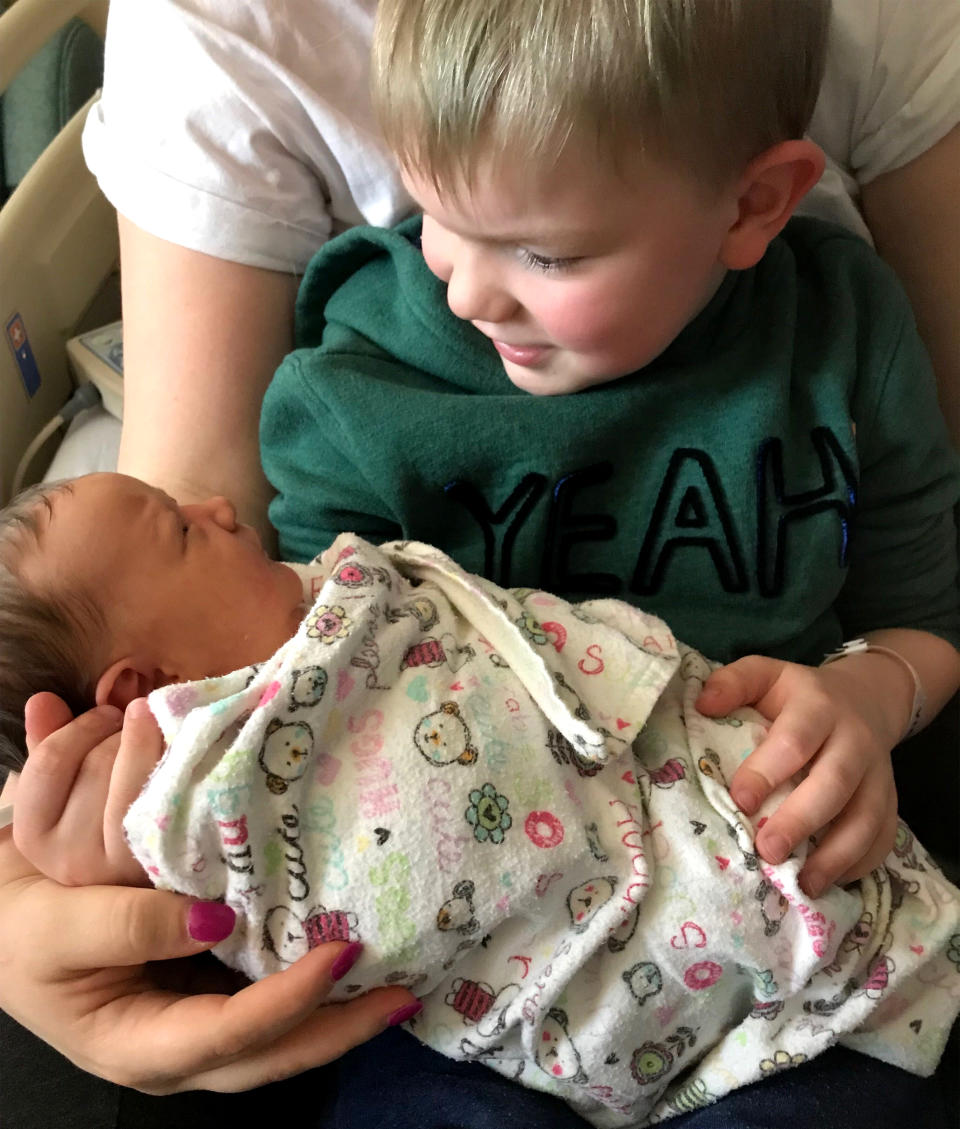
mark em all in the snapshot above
pixel 857 843
pixel 877 854
pixel 809 808
pixel 744 682
pixel 749 787
pixel 795 736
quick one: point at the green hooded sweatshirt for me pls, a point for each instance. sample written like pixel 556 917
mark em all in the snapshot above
pixel 777 480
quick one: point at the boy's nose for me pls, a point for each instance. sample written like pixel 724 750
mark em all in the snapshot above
pixel 475 293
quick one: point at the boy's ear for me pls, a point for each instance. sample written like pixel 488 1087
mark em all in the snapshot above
pixel 769 191
pixel 129 678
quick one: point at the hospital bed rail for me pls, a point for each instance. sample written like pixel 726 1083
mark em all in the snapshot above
pixel 58 252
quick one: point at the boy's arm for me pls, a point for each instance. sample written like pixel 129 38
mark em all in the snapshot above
pixel 841 721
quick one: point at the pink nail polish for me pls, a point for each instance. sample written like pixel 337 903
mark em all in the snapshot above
pixel 346 960
pixel 210 921
pixel 402 1014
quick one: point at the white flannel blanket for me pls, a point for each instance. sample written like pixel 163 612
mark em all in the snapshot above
pixel 515 806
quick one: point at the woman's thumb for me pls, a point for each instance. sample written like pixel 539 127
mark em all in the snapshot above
pixel 118 926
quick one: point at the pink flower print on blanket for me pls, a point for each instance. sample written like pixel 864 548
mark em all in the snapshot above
pixel 328 624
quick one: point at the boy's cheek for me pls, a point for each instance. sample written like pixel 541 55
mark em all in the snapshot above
pixel 434 255
pixel 583 320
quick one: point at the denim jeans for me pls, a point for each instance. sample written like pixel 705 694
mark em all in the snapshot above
pixel 393 1082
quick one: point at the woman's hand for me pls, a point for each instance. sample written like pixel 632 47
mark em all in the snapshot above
pixel 839 723
pixel 74 969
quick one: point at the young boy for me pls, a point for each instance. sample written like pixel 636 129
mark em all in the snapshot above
pixel 753 451
pixel 512 802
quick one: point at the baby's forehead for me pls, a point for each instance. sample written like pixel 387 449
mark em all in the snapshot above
pixel 72 496
pixel 93 509
pixel 104 493
pixel 26 519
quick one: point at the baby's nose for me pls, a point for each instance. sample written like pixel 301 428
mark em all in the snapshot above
pixel 219 510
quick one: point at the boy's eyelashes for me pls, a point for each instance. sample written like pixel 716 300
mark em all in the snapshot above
pixel 544 262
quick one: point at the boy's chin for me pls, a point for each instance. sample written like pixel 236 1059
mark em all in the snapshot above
pixel 548 382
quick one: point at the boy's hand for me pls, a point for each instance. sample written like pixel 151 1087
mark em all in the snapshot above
pixel 839 723
pixel 75 788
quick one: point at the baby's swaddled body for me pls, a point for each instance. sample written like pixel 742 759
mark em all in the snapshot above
pixel 513 803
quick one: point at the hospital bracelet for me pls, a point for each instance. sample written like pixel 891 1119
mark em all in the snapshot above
pixel 861 646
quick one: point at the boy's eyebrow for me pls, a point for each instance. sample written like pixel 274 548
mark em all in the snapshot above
pixel 544 236
pixel 532 234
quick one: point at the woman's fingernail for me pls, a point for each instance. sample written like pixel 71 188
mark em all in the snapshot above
pixel 210 921
pixel 346 960
pixel 402 1014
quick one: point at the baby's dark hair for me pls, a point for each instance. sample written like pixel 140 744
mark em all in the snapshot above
pixel 47 638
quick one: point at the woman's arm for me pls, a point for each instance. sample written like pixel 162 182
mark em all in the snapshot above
pixel 914 215
pixel 201 339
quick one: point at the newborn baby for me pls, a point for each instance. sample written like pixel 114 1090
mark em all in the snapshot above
pixel 510 800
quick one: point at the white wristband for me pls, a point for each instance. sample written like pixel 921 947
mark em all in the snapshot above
pixel 861 646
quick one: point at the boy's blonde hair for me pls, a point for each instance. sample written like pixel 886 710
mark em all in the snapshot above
pixel 48 640
pixel 707 83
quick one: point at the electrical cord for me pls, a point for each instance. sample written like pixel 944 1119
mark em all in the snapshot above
pixel 86 396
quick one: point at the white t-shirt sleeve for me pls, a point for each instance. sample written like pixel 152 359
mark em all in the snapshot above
pixel 242 128
pixel 891 91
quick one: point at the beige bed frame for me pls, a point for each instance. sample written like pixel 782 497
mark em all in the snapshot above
pixel 58 252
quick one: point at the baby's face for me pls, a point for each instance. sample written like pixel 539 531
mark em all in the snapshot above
pixel 579 277
pixel 184 586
